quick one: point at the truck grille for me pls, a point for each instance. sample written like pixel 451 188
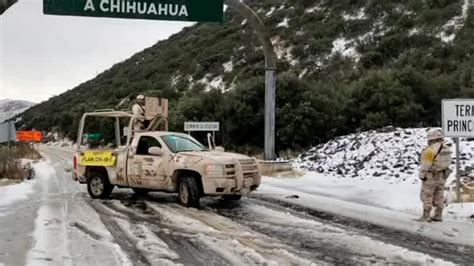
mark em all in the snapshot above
pixel 249 168
pixel 229 171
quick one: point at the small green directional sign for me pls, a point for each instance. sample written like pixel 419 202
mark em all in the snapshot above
pixel 180 10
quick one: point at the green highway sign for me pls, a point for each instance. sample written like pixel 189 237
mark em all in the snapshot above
pixel 180 10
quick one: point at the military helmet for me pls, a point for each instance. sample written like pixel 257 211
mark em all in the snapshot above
pixel 140 97
pixel 435 134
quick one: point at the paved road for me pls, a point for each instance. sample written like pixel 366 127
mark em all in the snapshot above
pixel 61 225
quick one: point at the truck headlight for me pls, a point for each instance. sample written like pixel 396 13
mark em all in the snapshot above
pixel 214 170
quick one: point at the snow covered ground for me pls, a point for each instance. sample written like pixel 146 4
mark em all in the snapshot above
pixel 371 175
pixel 46 221
pixel 391 156
pixel 61 225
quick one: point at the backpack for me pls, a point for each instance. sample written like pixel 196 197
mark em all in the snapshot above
pixel 442 159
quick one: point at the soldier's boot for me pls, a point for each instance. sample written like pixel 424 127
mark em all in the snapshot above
pixel 425 217
pixel 438 217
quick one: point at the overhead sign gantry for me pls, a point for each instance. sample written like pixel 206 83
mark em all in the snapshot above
pixel 181 10
pixel 184 10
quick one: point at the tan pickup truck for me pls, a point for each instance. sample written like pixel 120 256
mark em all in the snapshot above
pixel 152 160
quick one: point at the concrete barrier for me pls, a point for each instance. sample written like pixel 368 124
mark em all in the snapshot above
pixel 278 169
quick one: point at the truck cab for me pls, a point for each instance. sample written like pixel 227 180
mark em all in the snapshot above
pixel 157 160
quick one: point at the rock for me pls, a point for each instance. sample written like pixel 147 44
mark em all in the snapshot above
pixel 293 197
pixel 320 169
pixel 398 165
pixel 386 129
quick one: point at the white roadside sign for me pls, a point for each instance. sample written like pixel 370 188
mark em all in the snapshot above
pixel 458 118
pixel 201 126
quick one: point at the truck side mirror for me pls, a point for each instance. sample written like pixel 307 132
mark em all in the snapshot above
pixel 155 151
pixel 219 149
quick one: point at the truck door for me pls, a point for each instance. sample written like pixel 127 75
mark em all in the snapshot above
pixel 145 170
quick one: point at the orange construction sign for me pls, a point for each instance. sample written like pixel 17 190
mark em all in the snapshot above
pixel 28 136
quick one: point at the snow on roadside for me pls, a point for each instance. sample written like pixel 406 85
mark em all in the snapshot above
pixel 66 229
pixel 372 175
pixel 391 156
pixel 13 193
pixel 358 244
pixel 17 192
pixel 403 196
pixel 50 232
pixel 463 212
pixel 452 232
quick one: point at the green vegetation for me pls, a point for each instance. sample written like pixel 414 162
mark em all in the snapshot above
pixel 398 72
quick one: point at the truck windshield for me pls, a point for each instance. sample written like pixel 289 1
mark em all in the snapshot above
pixel 181 143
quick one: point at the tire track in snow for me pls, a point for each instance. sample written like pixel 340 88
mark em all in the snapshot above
pixel 109 219
pixel 334 244
pixel 188 250
pixel 223 235
pixel 458 254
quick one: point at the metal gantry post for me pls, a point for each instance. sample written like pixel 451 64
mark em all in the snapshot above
pixel 270 95
pixel 458 171
pixel 270 72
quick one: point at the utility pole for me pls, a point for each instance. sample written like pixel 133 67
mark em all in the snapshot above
pixel 5 4
pixel 270 72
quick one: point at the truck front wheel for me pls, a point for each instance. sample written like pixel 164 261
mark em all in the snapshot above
pixel 188 192
pixel 99 186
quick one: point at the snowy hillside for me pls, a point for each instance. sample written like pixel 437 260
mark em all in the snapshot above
pixel 10 108
pixel 391 155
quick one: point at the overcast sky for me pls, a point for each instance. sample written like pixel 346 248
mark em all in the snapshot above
pixel 43 55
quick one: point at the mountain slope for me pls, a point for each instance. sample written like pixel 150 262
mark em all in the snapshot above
pixel 11 108
pixel 342 65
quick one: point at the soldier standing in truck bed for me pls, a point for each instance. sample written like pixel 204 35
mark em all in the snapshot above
pixel 138 111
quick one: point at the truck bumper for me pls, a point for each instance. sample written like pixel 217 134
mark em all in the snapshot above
pixel 222 186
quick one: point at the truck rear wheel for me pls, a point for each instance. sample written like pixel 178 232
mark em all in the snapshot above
pixel 188 192
pixel 99 186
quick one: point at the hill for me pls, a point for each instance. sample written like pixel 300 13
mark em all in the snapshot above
pixel 11 108
pixel 343 66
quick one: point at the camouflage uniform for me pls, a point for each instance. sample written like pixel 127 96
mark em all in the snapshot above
pixel 139 112
pixel 433 177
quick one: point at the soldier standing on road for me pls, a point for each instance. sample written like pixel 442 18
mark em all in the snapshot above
pixel 138 111
pixel 434 170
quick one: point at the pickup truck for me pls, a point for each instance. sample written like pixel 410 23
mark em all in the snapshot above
pixel 152 160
